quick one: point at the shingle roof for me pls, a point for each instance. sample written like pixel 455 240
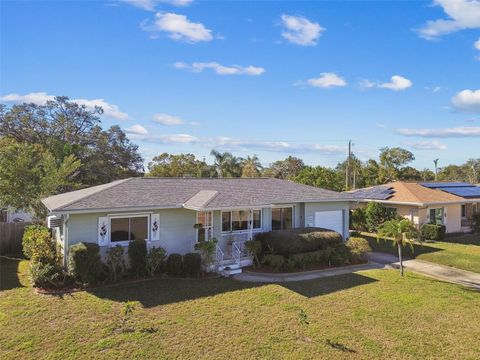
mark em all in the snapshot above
pixel 400 191
pixel 190 192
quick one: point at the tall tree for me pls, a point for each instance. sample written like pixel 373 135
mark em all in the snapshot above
pixel 391 161
pixel 181 165
pixel 285 169
pixel 226 164
pixel 28 172
pixel 320 177
pixel 66 128
pixel 251 167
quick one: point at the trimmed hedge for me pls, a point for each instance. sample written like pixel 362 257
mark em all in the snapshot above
pixel 276 262
pixel 289 242
pixel 192 264
pixel 432 232
pixel 174 264
pixel 358 248
pixel 137 256
pixel 312 258
pixel 84 263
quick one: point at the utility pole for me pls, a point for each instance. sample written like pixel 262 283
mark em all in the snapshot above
pixel 347 170
pixel 436 169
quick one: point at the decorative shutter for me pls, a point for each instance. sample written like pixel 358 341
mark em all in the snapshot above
pixel 103 231
pixel 155 227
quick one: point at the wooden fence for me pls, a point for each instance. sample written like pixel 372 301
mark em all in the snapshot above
pixel 11 237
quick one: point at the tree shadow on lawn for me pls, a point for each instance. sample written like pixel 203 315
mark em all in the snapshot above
pixel 464 239
pixel 9 273
pixel 155 292
pixel 387 246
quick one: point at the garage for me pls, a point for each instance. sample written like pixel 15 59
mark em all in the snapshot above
pixel 332 220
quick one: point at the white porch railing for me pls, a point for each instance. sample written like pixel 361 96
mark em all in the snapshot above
pixel 219 255
pixel 236 252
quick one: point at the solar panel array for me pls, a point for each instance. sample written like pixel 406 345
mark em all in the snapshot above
pixel 374 193
pixel 441 185
pixel 462 189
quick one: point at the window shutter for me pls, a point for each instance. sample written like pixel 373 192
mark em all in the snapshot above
pixel 155 227
pixel 103 231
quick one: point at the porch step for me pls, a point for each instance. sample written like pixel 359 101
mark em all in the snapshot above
pixel 230 271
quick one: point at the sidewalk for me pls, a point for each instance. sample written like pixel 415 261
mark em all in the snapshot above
pixel 440 272
pixel 307 275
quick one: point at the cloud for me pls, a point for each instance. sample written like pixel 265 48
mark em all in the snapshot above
pixel 166 139
pixel 178 27
pixel 40 98
pixel 433 89
pixel 397 83
pixel 427 145
pixel 454 132
pixel 325 80
pixel 467 100
pixel 221 69
pixel 299 30
pixel 150 5
pixel 476 44
pixel 136 129
pixel 462 14
pixel 168 120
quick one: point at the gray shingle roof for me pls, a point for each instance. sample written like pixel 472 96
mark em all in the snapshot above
pixel 195 193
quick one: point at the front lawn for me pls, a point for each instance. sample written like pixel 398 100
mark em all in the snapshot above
pixel 462 252
pixel 370 314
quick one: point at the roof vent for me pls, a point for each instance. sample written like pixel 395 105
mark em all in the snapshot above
pixel 54 222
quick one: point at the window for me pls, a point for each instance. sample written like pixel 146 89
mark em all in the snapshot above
pixel 436 216
pixel 464 211
pixel 238 220
pixel 282 218
pixel 128 228
pixel 204 218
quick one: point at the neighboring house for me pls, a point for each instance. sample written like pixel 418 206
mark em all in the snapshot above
pixel 11 215
pixel 424 203
pixel 165 211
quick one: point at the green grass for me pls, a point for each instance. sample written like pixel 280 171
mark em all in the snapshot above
pixel 370 314
pixel 462 252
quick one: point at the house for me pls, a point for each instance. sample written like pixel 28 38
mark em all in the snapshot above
pixel 440 203
pixel 166 211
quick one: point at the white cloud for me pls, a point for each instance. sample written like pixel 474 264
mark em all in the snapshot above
pixel 40 98
pixel 169 120
pixel 454 132
pixel 301 31
pixel 178 27
pixel 326 80
pixel 467 100
pixel 433 89
pixel 221 69
pixel 427 145
pixel 476 44
pixel 166 139
pixel 150 5
pixel 136 129
pixel 396 83
pixel 462 14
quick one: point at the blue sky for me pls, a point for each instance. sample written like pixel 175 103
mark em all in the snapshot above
pixel 267 78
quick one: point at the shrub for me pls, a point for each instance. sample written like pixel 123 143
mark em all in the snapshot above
pixel 476 224
pixel 155 258
pixel 358 248
pixel 288 242
pixel 38 245
pixel 254 248
pixel 432 232
pixel 376 214
pixel 309 259
pixel 276 262
pixel 340 256
pixel 47 275
pixel 192 264
pixel 115 262
pixel 207 248
pixel 358 219
pixel 174 264
pixel 84 263
pixel 137 256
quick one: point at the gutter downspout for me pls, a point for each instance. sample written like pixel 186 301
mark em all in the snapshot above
pixel 65 239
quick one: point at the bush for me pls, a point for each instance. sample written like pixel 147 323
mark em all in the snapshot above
pixel 432 232
pixel 376 214
pixel 174 264
pixel 47 275
pixel 288 242
pixel 137 256
pixel 38 245
pixel 309 259
pixel 192 264
pixel 254 248
pixel 154 260
pixel 207 248
pixel 358 219
pixel 358 248
pixel 84 263
pixel 276 262
pixel 115 262
pixel 476 224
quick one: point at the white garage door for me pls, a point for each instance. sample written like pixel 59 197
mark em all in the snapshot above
pixel 332 220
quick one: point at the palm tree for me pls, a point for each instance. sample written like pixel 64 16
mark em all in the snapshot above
pixel 402 231
pixel 251 167
pixel 226 164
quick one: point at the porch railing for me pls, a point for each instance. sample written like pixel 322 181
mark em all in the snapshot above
pixel 219 255
pixel 236 252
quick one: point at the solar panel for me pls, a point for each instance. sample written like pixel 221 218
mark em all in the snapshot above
pixel 377 193
pixel 441 185
pixel 466 192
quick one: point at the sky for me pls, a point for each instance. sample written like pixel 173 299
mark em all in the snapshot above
pixel 272 78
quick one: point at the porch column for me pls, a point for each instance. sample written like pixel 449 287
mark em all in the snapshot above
pixel 250 224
